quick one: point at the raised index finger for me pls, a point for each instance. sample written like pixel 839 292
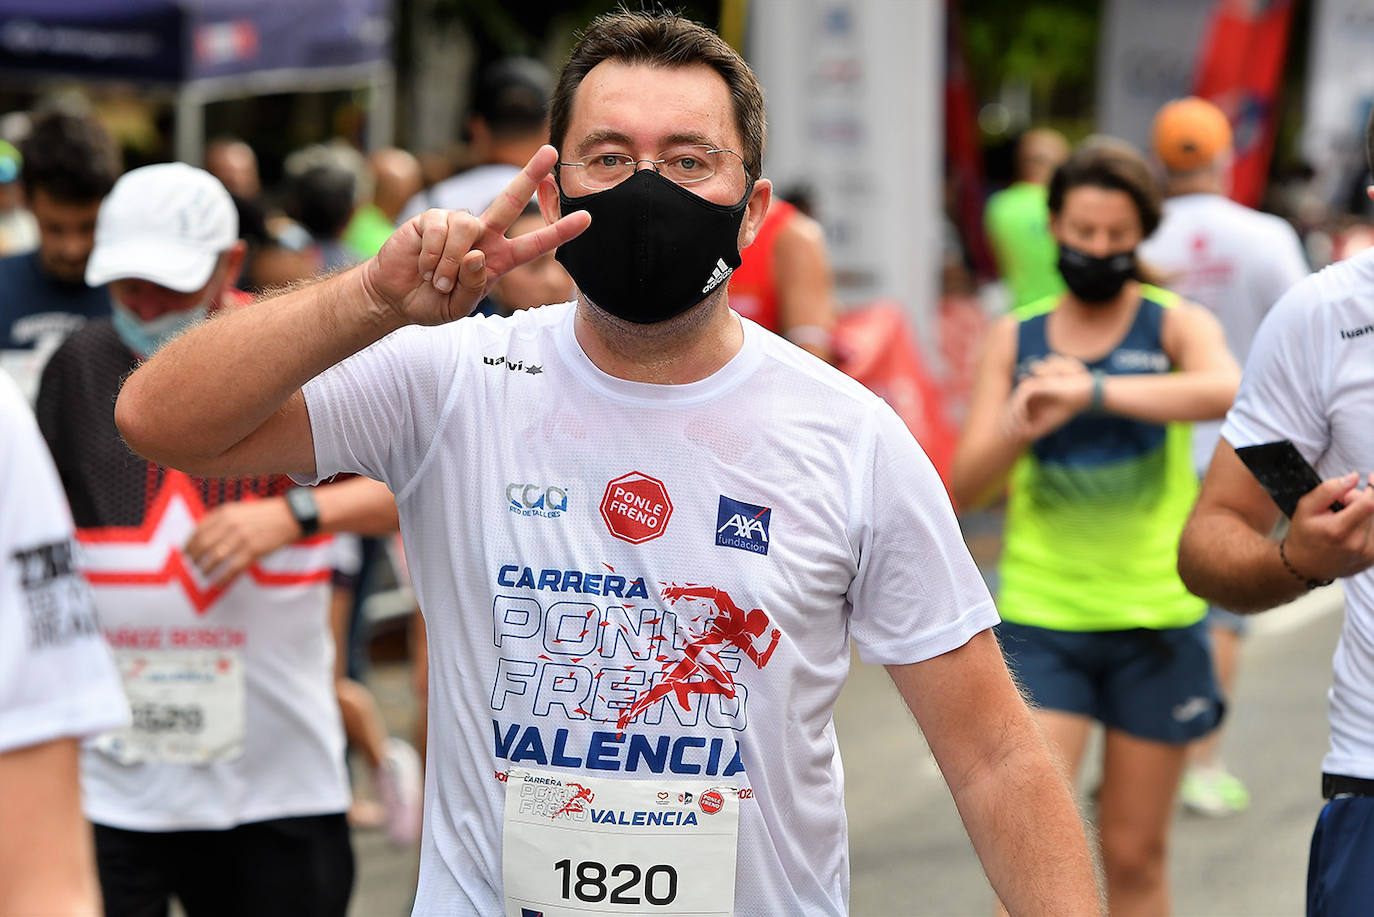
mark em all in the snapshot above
pixel 528 246
pixel 512 201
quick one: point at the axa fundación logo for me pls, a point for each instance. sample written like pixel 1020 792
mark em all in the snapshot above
pixel 743 525
pixel 515 366
pixel 537 500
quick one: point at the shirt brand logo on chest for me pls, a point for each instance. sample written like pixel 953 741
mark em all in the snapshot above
pixel 515 366
pixel 1140 361
pixel 636 507
pixel 743 525
pixel 1348 333
pixel 537 500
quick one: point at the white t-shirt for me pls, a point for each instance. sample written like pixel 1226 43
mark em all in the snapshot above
pixel 271 625
pixel 471 190
pixel 1235 261
pixel 574 536
pixel 56 676
pixel 1310 379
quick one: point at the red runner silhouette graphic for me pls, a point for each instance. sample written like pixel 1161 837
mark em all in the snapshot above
pixel 730 626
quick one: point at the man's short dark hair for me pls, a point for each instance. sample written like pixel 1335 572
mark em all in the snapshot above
pixel 663 40
pixel 322 200
pixel 70 158
pixel 512 97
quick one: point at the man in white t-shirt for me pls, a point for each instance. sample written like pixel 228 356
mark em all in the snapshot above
pixel 228 791
pixel 57 682
pixel 1309 380
pixel 1237 262
pixel 508 122
pixel 643 531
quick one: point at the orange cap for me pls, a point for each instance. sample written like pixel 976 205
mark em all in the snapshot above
pixel 1189 134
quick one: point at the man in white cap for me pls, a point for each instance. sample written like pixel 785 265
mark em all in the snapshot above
pixel 228 791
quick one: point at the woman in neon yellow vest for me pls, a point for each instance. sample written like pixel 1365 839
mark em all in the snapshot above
pixel 1080 409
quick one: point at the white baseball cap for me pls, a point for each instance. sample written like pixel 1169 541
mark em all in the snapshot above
pixel 166 223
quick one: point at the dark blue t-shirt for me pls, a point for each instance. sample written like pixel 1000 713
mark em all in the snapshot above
pixel 37 312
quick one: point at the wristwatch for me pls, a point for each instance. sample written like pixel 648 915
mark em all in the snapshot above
pixel 304 510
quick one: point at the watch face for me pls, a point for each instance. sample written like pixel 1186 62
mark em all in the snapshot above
pixel 302 504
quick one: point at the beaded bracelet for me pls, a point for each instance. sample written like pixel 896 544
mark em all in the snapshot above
pixel 1307 581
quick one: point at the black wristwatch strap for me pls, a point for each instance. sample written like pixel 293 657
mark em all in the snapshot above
pixel 301 502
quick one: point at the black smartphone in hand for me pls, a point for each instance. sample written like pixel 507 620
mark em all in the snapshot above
pixel 1283 472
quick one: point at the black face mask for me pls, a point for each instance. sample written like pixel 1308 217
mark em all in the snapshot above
pixel 654 249
pixel 1092 279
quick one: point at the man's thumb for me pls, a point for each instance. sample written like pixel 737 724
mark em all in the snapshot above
pixel 1328 491
pixel 472 274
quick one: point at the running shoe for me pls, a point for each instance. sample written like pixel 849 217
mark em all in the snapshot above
pixel 1214 792
pixel 400 784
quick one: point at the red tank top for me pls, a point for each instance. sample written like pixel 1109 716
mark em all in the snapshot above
pixel 753 288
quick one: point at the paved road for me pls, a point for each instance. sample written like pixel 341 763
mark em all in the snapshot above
pixel 909 853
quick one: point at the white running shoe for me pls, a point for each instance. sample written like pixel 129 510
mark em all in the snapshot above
pixel 400 784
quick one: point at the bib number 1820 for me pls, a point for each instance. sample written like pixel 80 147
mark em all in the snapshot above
pixel 620 884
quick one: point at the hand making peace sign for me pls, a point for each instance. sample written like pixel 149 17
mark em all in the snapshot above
pixel 438 265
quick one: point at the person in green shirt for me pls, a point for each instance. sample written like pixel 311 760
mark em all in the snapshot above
pixel 1017 220
pixel 396 179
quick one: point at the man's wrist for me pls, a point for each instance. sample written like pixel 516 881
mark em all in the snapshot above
pixel 379 312
pixel 301 503
pixel 1308 581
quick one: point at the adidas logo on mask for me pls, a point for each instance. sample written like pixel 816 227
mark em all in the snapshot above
pixel 722 271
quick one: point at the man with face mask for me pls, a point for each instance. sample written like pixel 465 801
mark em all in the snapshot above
pixel 642 530
pixel 228 791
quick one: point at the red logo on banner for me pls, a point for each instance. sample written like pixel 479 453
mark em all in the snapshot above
pixel 636 507
pixel 711 802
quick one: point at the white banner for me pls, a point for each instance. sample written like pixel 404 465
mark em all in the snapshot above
pixel 854 94
pixel 1340 89
pixel 1147 56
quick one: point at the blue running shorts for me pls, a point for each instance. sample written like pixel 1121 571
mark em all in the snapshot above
pixel 1339 879
pixel 1152 684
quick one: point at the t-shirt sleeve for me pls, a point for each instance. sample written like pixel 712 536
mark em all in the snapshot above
pixel 1280 394
pixel 57 678
pixel 917 592
pixel 377 412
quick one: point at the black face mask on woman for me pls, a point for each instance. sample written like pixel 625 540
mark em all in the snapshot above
pixel 654 249
pixel 1093 279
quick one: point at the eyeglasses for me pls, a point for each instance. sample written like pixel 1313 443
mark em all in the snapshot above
pixel 685 165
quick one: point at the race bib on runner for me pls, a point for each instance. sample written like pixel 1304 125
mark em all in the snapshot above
pixel 581 845
pixel 187 707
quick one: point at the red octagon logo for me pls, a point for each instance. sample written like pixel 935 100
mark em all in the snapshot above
pixel 636 507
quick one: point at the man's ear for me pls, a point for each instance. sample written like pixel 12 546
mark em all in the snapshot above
pixel 234 262
pixel 548 199
pixel 759 199
pixel 1370 192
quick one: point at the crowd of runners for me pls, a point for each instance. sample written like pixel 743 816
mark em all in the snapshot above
pixel 641 530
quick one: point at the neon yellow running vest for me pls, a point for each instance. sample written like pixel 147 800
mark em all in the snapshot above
pixel 1096 508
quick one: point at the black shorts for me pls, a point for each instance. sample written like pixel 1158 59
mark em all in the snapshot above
pixel 302 867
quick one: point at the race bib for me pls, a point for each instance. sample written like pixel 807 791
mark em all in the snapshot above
pixel 581 845
pixel 186 705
